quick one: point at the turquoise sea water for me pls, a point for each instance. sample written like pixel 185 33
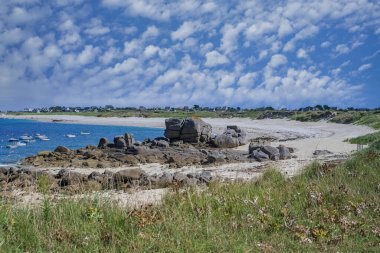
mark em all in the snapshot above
pixel 11 128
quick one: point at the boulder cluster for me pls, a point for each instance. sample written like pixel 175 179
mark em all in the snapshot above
pixel 232 137
pixel 187 130
pixel 71 181
pixel 121 141
pixel 265 152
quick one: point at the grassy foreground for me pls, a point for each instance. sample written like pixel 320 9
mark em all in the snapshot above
pixel 323 209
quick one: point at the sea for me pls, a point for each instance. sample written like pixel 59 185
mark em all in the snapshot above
pixel 56 132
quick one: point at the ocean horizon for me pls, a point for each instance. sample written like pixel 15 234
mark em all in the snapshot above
pixel 56 133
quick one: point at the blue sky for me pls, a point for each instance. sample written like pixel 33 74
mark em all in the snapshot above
pixel 176 53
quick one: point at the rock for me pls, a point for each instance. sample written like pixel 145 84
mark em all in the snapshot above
pixel 205 177
pixel 96 176
pixel 62 149
pixel 44 153
pixel 103 142
pixel 215 157
pixel 128 175
pixel 322 152
pixel 259 155
pixel 226 141
pixel 179 177
pixel 173 128
pixel 165 180
pixel 129 139
pixel 232 137
pixel 252 147
pixel 160 143
pixel 67 177
pixel 119 142
pixel 187 130
pixel 284 152
pixel 272 152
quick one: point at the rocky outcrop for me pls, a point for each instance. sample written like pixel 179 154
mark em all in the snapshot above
pixel 103 143
pixel 123 141
pixel 62 149
pixel 74 182
pixel 265 152
pixel 187 130
pixel 232 137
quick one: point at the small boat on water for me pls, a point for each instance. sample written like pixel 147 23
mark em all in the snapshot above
pixel 45 139
pixel 16 145
pixel 41 136
pixel 84 133
pixel 71 135
pixel 21 144
pixel 12 139
pixel 26 137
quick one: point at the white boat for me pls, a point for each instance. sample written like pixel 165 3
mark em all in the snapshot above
pixel 71 135
pixel 12 146
pixel 12 139
pixel 21 144
pixel 45 139
pixel 84 133
pixel 40 137
pixel 26 137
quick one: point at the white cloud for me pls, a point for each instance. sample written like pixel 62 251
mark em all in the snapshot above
pixel 131 47
pixel 342 49
pixel 301 35
pixel 150 51
pixel 325 44
pixel 12 36
pixel 214 58
pixel 150 32
pixel 302 54
pixel 229 41
pixel 184 31
pixel 100 30
pixel 364 67
pixel 277 60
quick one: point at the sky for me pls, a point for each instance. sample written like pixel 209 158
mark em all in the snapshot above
pixel 244 53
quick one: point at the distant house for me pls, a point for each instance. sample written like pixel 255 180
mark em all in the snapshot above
pixel 28 110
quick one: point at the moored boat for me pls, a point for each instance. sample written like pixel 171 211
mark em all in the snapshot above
pixel 71 135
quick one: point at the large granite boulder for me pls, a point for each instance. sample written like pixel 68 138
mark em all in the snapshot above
pixel 123 141
pixel 232 137
pixel 62 149
pixel 103 142
pixel 129 139
pixel 187 130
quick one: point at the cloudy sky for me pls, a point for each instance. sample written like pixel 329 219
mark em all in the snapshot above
pixel 175 53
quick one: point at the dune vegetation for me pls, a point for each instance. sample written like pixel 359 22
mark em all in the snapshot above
pixel 325 208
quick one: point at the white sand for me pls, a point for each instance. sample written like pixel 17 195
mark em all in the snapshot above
pixel 305 137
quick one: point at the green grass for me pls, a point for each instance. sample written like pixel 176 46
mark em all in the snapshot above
pixel 333 209
pixel 366 139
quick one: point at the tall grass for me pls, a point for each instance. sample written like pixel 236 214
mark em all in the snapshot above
pixel 335 209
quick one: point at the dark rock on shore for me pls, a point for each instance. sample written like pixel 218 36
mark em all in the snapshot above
pixel 62 149
pixel 187 130
pixel 322 152
pixel 232 137
pixel 264 152
pixel 103 143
